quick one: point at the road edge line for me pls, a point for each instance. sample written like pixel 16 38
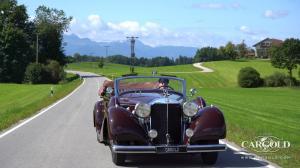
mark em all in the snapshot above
pixel 256 157
pixel 10 130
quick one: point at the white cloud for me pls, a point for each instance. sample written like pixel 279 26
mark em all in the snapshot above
pixel 150 33
pixel 250 31
pixel 94 20
pixel 247 30
pixel 271 14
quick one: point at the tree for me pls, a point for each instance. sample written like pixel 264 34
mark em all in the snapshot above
pixel 230 51
pixel 101 62
pixel 242 49
pixel 206 54
pixel 286 56
pixel 50 25
pixel 222 52
pixel 15 41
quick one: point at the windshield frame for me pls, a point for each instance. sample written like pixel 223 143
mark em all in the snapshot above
pixel 117 81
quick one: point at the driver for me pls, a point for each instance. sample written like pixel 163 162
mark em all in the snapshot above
pixel 163 83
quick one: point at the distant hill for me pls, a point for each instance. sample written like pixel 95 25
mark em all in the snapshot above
pixel 74 44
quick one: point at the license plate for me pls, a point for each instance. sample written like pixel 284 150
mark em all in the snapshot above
pixel 170 149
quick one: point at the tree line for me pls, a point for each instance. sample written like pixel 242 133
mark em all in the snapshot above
pixel 142 61
pixel 20 36
pixel 228 52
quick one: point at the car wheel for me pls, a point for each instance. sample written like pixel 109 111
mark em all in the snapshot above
pixel 209 158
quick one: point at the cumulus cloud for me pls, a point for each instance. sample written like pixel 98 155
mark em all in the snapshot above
pixel 94 20
pixel 216 5
pixel 150 33
pixel 271 14
pixel 247 30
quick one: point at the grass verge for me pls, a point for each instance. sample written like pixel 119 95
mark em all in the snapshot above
pixel 20 101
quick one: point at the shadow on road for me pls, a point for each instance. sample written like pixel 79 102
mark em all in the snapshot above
pixel 229 158
pixel 90 76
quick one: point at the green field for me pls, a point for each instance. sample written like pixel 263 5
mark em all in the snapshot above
pixel 19 101
pixel 248 112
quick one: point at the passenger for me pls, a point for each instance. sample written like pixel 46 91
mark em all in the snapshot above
pixel 106 84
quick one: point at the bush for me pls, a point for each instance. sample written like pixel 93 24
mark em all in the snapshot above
pixel 55 72
pixel 35 73
pixel 248 77
pixel 279 79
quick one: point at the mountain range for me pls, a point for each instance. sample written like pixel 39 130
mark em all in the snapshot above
pixel 85 46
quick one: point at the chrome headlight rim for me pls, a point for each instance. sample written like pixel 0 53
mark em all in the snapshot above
pixel 190 109
pixel 142 110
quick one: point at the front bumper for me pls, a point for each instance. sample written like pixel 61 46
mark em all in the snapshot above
pixel 169 148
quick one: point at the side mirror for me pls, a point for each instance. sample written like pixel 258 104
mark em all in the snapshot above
pixel 109 90
pixel 193 91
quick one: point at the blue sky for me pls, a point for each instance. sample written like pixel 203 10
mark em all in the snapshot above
pixel 176 22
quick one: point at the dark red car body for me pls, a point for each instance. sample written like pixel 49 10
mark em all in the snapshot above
pixel 117 125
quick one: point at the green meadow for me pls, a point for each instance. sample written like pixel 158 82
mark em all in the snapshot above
pixel 19 101
pixel 248 112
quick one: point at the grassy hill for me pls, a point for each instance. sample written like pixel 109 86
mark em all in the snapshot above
pixel 225 74
pixel 248 112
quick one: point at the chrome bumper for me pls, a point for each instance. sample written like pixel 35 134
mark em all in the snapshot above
pixel 169 149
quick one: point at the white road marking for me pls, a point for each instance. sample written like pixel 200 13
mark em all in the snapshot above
pixel 241 151
pixel 40 113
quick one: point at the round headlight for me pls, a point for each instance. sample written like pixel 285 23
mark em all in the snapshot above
pixel 189 132
pixel 152 133
pixel 190 109
pixel 142 110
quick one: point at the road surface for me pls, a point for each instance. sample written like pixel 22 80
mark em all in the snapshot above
pixel 64 137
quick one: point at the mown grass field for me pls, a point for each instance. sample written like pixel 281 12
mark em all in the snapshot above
pixel 19 101
pixel 248 112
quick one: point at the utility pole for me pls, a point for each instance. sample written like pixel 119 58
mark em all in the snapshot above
pixel 106 50
pixel 132 41
pixel 37 48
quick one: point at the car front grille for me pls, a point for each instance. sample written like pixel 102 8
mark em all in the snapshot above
pixel 160 123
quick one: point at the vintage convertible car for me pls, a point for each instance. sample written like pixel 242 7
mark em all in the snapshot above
pixel 138 115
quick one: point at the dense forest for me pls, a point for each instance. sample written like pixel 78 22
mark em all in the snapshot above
pixel 36 42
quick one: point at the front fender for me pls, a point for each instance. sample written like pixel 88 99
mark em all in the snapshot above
pixel 208 124
pixel 98 114
pixel 124 127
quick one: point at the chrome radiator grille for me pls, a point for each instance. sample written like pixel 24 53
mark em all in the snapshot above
pixel 167 122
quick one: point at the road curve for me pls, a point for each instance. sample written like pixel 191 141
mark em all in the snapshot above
pixel 204 69
pixel 64 137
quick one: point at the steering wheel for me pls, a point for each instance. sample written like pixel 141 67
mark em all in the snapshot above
pixel 165 87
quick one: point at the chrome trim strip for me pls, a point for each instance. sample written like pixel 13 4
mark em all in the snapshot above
pixel 152 149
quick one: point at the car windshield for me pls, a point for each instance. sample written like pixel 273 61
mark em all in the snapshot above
pixel 129 84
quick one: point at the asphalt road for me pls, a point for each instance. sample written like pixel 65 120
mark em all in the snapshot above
pixel 64 137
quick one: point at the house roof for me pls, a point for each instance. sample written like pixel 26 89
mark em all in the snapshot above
pixel 275 42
